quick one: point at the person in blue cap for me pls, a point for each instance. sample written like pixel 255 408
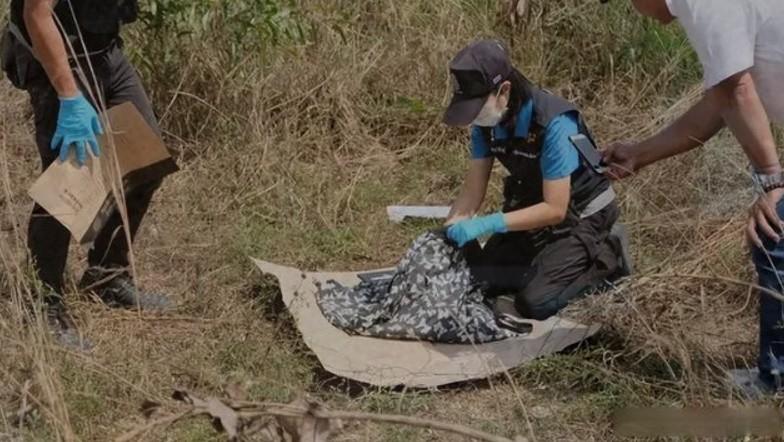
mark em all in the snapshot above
pixel 552 240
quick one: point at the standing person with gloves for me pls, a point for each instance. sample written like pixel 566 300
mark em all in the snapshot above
pixel 740 44
pixel 46 42
pixel 552 241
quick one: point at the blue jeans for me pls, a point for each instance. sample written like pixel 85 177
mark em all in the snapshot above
pixel 770 270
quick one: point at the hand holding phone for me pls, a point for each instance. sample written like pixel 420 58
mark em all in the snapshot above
pixel 589 153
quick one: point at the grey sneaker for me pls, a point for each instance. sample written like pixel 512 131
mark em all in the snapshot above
pixel 63 329
pixel 119 291
pixel 749 384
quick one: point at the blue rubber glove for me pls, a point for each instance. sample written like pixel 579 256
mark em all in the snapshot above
pixel 468 230
pixel 77 125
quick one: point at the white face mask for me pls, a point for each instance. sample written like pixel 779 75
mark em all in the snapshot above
pixel 489 116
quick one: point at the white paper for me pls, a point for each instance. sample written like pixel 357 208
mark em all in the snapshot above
pixel 398 213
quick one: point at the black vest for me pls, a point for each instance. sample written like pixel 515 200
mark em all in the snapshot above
pixel 521 157
pixel 98 20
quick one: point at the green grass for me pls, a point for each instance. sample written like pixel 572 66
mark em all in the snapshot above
pixel 585 377
pixel 391 433
pixel 259 240
pixel 196 430
pixel 382 401
pixel 90 397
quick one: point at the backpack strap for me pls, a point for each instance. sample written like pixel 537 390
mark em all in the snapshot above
pixel 17 33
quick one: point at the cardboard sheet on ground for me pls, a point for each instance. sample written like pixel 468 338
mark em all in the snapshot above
pixel 386 362
pixel 81 197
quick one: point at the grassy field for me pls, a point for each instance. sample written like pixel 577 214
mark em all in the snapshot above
pixel 295 124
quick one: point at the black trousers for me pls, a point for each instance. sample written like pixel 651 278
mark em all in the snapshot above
pixel 48 240
pixel 545 277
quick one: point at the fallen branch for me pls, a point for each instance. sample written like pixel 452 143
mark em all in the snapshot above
pixel 164 421
pixel 417 422
pixel 301 420
pixel 257 409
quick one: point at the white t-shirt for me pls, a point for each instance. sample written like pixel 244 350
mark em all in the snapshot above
pixel 731 36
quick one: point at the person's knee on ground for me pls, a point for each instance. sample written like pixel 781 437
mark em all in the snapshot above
pixel 538 306
pixel 540 300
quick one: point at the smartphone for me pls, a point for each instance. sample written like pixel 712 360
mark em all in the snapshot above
pixel 589 152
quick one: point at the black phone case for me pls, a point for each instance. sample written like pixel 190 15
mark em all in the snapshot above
pixel 592 158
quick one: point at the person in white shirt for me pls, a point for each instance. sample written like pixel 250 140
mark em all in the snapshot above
pixel 740 44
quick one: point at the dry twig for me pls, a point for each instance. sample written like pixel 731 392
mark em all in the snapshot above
pixel 302 421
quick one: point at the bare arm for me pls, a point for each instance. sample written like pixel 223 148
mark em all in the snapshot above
pixel 746 117
pixel 691 130
pixel 733 102
pixel 472 194
pixel 547 213
pixel 744 114
pixel 48 46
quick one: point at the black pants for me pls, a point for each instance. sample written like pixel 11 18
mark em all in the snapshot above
pixel 544 277
pixel 48 240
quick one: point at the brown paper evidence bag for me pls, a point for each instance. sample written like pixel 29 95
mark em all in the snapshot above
pixel 81 197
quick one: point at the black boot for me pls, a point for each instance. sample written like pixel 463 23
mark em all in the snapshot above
pixel 116 289
pixel 63 328
pixel 619 239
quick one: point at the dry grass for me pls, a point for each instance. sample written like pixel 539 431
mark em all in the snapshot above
pixel 292 154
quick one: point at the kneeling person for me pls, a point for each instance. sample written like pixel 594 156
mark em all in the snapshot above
pixel 552 241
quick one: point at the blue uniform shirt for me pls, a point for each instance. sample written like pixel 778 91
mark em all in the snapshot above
pixel 559 157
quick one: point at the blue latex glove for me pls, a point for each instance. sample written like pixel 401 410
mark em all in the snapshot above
pixel 77 125
pixel 468 230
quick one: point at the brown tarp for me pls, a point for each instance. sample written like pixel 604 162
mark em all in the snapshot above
pixel 386 362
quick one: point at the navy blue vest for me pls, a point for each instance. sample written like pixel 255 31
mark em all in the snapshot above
pixel 98 20
pixel 521 157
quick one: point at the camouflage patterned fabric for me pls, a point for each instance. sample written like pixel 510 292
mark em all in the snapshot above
pixel 430 297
